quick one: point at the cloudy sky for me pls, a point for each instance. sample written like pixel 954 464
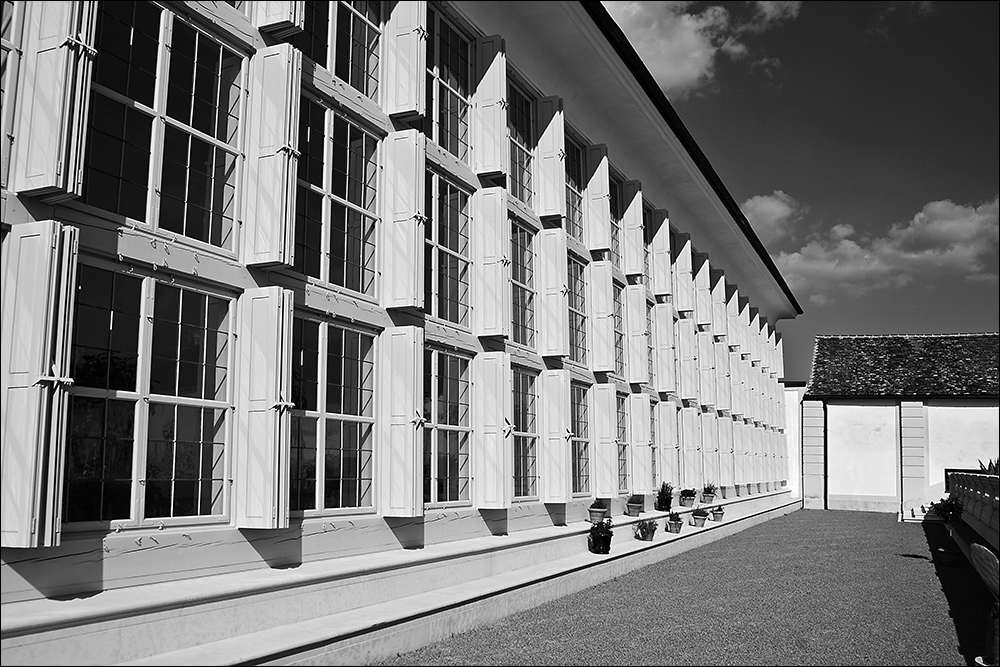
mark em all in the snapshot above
pixel 860 139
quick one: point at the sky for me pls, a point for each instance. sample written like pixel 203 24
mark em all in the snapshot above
pixel 861 140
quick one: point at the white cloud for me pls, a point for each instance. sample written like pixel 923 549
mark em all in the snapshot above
pixel 772 216
pixel 943 239
pixel 681 45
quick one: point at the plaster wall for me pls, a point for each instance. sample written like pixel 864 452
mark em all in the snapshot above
pixel 959 435
pixel 862 456
pixel 793 438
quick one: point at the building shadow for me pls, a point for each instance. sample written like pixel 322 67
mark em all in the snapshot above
pixel 969 601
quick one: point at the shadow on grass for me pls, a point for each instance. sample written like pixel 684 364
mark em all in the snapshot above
pixel 969 601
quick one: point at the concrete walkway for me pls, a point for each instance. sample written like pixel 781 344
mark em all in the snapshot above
pixel 813 587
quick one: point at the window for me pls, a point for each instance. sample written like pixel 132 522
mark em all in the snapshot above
pixel 581 438
pixel 447 430
pixel 577 312
pixel 333 419
pixel 8 78
pixel 653 447
pixel 521 127
pixel 647 225
pixel 357 29
pixel 345 195
pixel 446 253
pixel 523 281
pixel 169 432
pixel 198 105
pixel 616 221
pixel 622 442
pixel 525 436
pixel 650 366
pixel 619 324
pixel 574 189
pixel 449 75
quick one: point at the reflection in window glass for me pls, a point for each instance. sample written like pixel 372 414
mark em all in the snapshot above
pixel 98 470
pixel 448 431
pixel 106 329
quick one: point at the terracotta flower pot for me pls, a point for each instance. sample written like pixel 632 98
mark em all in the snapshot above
pixel 687 501
pixel 708 498
pixel 632 509
pixel 674 526
pixel 698 521
pixel 596 516
pixel 717 516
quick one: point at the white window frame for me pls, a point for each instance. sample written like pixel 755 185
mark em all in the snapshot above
pixel 621 442
pixel 438 88
pixel 520 182
pixel 574 193
pixel 525 384
pixel 618 312
pixel 435 251
pixel 615 194
pixel 576 282
pixel 371 90
pixel 433 429
pixel 581 468
pixel 523 262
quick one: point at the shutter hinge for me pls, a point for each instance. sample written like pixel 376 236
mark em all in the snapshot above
pixel 283 405
pixel 421 31
pixel 76 43
pixel 34 525
pixel 291 152
pixel 418 420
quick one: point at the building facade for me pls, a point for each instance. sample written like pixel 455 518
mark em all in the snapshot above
pixel 408 272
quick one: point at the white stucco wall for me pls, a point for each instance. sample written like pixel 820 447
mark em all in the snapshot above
pixel 862 455
pixel 793 438
pixel 960 436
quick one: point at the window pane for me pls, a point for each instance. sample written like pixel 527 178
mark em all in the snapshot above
pixel 98 469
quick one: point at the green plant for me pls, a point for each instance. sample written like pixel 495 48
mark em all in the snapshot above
pixel 709 488
pixel 644 529
pixel 599 504
pixel 674 517
pixel 718 508
pixel 949 509
pixel 688 493
pixel 602 528
pixel 636 499
pixel 699 511
pixel 664 497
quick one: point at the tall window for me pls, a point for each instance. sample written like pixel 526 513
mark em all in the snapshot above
pixel 653 447
pixel 447 430
pixel 650 346
pixel 616 221
pixel 525 436
pixel 9 41
pixel 446 252
pixel 521 127
pixel 196 100
pixel 619 325
pixel 577 312
pixel 647 226
pixel 523 281
pixel 449 75
pixel 574 189
pixel 333 418
pixel 345 195
pixel 172 427
pixel 357 29
pixel 622 442
pixel 581 437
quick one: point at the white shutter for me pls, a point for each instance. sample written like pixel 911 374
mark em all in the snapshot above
pixel 403 224
pixel 690 446
pixel 550 175
pixel 638 413
pixel 491 310
pixel 706 367
pixel 636 334
pixel 723 392
pixel 666 431
pixel 703 291
pixel 598 198
pixel 739 452
pixel 634 238
pixel 282 18
pixel 733 314
pixel 54 99
pixel 720 319
pixel 602 318
pixel 726 462
pixel 406 59
pixel 263 404
pixel 687 382
pixel 555 463
pixel 604 461
pixel 664 357
pixel 401 369
pixel 659 251
pixel 683 275
pixel 708 425
pixel 491 147
pixel 39 290
pixel 754 335
pixel 493 485
pixel 779 356
pixel 552 310
pixel 272 156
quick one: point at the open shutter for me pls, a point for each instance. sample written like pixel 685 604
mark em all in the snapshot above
pixel 605 458
pixel 706 367
pixel 263 418
pixel 638 412
pixel 272 156
pixel 726 462
pixel 779 356
pixel 703 291
pixel 733 317
pixel 602 317
pixel 550 176
pixel 39 288
pixel 720 318
pixel 723 393
pixel 659 250
pixel 406 59
pixel 491 312
pixel 553 303
pixel 598 198
pixel 664 358
pixel 635 322
pixel 683 275
pixel 491 148
pixel 687 382
pixel 55 99
pixel 666 431
pixel 739 452
pixel 708 425
pixel 634 238
pixel 494 452
pixel 690 447
pixel 555 457
pixel 401 362
pixel 403 227
pixel 281 18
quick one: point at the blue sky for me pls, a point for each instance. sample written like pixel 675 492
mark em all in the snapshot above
pixel 862 141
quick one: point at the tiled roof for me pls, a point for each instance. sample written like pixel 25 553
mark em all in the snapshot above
pixel 905 365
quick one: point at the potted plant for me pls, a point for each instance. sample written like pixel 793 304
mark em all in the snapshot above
pixel 674 522
pixel 598 510
pixel 664 497
pixel 698 516
pixel 687 497
pixel 599 539
pixel 708 492
pixel 644 529
pixel 634 504
pixel 717 512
